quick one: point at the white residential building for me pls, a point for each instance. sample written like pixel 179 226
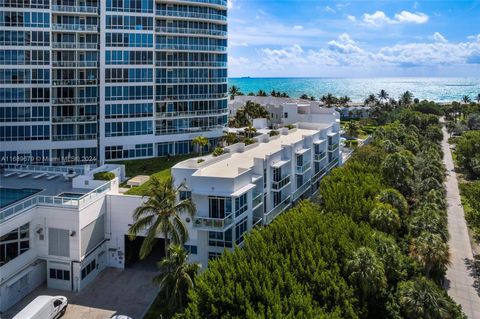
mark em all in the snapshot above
pixel 251 185
pixel 285 111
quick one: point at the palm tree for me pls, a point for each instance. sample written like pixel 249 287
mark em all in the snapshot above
pixel 352 128
pixel 383 95
pixel 478 98
pixel 250 131
pixel 466 99
pixel 234 91
pixel 329 99
pixel 261 93
pixel 177 277
pixel 406 98
pixel 230 138
pixel 371 99
pixel 344 100
pixel 201 142
pixel 366 271
pixel 430 251
pixel 160 215
pixel 304 97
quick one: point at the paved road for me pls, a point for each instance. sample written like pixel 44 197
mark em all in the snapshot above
pixel 459 281
pixel 128 292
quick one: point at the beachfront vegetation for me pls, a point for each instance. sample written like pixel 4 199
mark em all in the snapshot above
pixel 245 115
pixel 373 246
pixel 103 176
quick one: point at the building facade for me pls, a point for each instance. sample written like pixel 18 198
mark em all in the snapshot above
pixel 251 185
pixel 95 80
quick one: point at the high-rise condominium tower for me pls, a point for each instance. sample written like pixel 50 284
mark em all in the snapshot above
pixel 86 81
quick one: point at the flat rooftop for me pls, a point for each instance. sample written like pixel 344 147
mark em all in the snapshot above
pixel 236 162
pixel 51 187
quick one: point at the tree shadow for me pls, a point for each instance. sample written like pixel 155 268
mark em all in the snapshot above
pixel 473 266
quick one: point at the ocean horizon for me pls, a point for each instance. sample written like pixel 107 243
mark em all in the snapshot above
pixel 438 89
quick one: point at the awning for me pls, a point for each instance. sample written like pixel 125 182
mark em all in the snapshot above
pixel 280 163
pixel 319 142
pixel 256 178
pixel 302 151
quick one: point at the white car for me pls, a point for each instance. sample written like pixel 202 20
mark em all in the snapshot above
pixel 44 307
pixel 120 317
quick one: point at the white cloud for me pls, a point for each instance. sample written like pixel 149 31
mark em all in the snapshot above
pixel 237 44
pixel 438 37
pixel 475 37
pixel 345 52
pixel 230 4
pixel 329 9
pixel 351 18
pixel 232 61
pixel 298 27
pixel 379 18
pixel 410 17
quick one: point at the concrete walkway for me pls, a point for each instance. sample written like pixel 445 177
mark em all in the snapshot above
pixel 460 283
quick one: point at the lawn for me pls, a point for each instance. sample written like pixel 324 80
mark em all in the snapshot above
pixel 159 167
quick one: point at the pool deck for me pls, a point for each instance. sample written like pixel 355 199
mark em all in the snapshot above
pixel 51 187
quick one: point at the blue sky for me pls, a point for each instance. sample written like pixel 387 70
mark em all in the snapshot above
pixel 314 38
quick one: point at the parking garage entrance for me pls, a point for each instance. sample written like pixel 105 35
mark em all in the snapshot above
pixel 132 249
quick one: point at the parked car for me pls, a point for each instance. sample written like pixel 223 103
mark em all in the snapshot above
pixel 44 307
pixel 120 317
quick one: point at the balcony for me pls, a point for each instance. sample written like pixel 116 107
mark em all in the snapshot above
pixel 174 97
pixel 332 147
pixel 74 27
pixel 257 199
pixel 332 164
pixel 279 185
pixel 75 64
pixel 222 3
pixel 190 80
pixel 191 113
pixel 319 157
pixel 74 45
pixel 208 64
pixel 280 208
pixel 75 9
pixel 73 119
pixel 319 174
pixel 73 100
pixel 301 190
pixel 175 30
pixel 74 137
pixel 215 224
pixel 302 169
pixel 189 130
pixel 194 15
pixel 73 82
pixel 190 47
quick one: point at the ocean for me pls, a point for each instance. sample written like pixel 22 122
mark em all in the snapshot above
pixel 434 89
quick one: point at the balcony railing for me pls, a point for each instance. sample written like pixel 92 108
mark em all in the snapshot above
pixel 319 157
pixel 191 113
pixel 74 82
pixel 218 33
pixel 279 185
pixel 208 223
pixel 302 169
pixel 208 64
pixel 73 100
pixel 222 3
pixel 319 174
pixel 187 14
pixel 73 64
pixel 257 199
pixel 74 45
pixel 69 119
pixel 79 9
pixel 174 97
pixel 302 189
pixel 190 47
pixel 74 137
pixel 280 208
pixel 43 200
pixel 332 147
pixel 190 80
pixel 189 130
pixel 74 27
pixel 332 164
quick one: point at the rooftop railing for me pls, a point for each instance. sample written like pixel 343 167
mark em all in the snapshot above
pixel 209 223
pixel 44 169
pixel 42 200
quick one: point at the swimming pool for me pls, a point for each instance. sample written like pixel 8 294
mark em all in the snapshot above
pixel 71 195
pixel 12 195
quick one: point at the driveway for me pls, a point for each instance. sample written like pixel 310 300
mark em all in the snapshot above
pixel 115 291
pixel 460 282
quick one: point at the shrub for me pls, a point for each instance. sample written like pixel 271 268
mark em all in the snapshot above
pixel 218 151
pixel 273 133
pixel 103 176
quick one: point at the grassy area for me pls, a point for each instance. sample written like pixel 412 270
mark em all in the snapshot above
pixel 159 167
